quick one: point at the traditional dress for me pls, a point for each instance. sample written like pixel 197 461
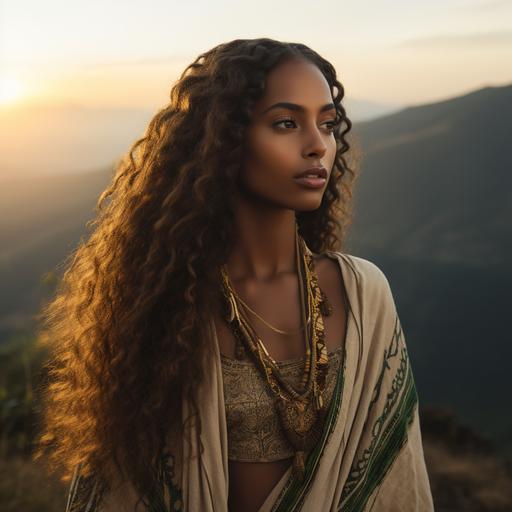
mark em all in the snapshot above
pixel 370 455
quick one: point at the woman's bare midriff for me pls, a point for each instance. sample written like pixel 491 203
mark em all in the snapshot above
pixel 251 482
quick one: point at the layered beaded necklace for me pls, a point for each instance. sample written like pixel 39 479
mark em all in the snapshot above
pixel 302 430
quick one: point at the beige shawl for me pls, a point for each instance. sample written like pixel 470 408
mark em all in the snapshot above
pixel 370 456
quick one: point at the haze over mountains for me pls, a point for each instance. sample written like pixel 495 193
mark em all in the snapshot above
pixel 69 138
pixel 433 209
pixel 438 177
pixel 66 139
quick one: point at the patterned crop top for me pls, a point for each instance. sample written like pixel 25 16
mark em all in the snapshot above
pixel 254 430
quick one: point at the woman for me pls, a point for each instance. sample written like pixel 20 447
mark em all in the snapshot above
pixel 214 348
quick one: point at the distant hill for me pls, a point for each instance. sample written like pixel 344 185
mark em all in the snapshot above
pixel 439 177
pixel 66 138
pixel 362 110
pixel 41 220
pixel 71 138
pixel 432 209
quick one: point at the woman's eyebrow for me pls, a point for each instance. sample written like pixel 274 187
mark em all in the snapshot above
pixel 298 108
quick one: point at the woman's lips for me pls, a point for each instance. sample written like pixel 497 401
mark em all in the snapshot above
pixel 311 182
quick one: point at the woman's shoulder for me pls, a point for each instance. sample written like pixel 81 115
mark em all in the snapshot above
pixel 366 272
pixel 366 280
pixel 372 298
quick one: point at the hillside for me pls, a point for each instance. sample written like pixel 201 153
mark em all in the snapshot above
pixel 432 209
pixel 436 180
pixel 41 220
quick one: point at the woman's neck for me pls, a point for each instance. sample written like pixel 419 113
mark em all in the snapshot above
pixel 265 243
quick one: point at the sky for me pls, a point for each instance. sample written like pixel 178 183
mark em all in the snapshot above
pixel 128 53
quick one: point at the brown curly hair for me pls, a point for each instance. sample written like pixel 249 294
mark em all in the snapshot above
pixel 127 327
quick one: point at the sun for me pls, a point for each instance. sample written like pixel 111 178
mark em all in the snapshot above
pixel 11 90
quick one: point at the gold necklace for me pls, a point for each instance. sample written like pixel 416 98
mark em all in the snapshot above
pixel 275 329
pixel 302 431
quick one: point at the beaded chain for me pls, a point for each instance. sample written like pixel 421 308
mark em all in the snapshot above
pixel 290 403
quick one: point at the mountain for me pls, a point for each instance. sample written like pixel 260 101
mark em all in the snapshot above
pixel 66 138
pixel 362 110
pixel 41 220
pixel 441 173
pixel 71 138
pixel 432 210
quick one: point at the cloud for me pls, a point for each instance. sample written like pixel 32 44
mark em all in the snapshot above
pixel 90 62
pixel 492 4
pixel 460 41
pixel 143 61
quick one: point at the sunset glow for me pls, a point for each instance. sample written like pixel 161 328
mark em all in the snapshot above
pixel 96 54
pixel 11 90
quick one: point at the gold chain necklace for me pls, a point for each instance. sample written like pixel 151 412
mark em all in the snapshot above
pixel 275 329
pixel 302 430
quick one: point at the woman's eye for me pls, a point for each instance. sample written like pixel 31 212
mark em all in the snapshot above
pixel 331 125
pixel 284 121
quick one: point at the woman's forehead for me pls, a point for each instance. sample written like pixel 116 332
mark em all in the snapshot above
pixel 297 82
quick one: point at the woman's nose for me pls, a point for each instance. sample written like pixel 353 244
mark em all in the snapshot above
pixel 315 143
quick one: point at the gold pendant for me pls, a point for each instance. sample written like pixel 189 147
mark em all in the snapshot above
pixel 299 466
pixel 301 422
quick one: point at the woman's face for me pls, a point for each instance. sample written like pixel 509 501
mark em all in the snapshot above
pixel 284 141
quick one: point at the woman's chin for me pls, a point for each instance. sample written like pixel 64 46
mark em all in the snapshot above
pixel 309 206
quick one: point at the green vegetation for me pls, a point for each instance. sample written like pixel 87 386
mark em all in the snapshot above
pixel 21 362
pixel 24 484
pixel 465 473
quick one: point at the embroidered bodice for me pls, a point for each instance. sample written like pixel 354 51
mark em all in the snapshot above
pixel 254 430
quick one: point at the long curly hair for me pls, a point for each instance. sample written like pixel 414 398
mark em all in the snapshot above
pixel 127 326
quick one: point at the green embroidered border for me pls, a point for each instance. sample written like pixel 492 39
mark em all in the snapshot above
pixel 293 493
pixel 86 495
pixel 368 472
pixel 166 478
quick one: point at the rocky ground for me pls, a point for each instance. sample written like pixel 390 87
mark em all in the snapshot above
pixel 466 473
